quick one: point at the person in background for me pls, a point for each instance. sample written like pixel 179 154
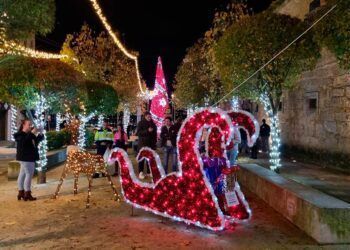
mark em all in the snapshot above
pixel 103 140
pixel 264 136
pixel 120 138
pixel 27 139
pixel 166 135
pixel 175 131
pixel 243 147
pixel 147 133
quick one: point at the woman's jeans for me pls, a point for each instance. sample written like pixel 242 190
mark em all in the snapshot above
pixel 169 151
pixel 232 156
pixel 25 175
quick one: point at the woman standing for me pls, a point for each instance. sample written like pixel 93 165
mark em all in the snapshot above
pixel 120 138
pixel 27 139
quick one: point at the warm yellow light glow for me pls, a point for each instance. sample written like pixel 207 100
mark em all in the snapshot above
pixel 13 48
pixel 103 19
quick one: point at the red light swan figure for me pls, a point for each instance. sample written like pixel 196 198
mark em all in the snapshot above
pixel 185 195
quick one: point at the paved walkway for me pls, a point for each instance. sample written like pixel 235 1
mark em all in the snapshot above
pixel 332 182
pixel 66 223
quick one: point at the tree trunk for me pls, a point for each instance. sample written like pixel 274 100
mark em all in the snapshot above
pixel 275 161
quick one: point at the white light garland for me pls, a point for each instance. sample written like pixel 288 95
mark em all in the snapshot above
pixel 39 121
pixel 58 121
pixel 235 103
pixel 275 160
pixel 13 128
pixel 100 121
pixel 126 117
pixel 83 119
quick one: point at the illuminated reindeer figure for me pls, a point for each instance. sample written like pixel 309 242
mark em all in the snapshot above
pixel 186 195
pixel 78 162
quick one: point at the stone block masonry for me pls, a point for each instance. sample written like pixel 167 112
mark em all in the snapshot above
pixel 324 218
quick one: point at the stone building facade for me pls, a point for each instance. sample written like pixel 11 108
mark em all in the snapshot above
pixel 316 114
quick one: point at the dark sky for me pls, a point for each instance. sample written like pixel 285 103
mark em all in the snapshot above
pixel 154 28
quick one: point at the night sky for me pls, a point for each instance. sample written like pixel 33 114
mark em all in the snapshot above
pixel 153 28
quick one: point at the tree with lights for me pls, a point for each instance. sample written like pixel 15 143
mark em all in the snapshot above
pixel 249 44
pixel 160 101
pixel 101 61
pixel 39 85
pixel 198 82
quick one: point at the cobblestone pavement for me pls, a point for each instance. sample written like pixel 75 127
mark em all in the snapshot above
pixel 66 223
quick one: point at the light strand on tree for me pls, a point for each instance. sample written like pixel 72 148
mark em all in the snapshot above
pixel 58 121
pixel 83 119
pixel 39 121
pixel 100 121
pixel 13 48
pixel 120 45
pixel 13 128
pixel 126 117
pixel 235 103
pixel 275 160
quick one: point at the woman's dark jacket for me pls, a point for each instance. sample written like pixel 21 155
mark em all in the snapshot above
pixel 146 138
pixel 27 146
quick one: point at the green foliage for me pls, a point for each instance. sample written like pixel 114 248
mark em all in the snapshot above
pixel 101 98
pixel 251 42
pixel 101 61
pixel 197 81
pixel 334 31
pixel 22 77
pixel 90 138
pixel 56 140
pixel 25 18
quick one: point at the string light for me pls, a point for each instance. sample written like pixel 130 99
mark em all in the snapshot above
pixel 235 103
pixel 100 121
pixel 78 162
pixel 58 121
pixel 186 195
pixel 120 45
pixel 275 161
pixel 13 128
pixel 39 121
pixel 126 117
pixel 14 48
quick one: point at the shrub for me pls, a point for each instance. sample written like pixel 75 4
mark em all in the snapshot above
pixel 56 140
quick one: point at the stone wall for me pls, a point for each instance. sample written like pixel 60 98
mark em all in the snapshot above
pixel 316 114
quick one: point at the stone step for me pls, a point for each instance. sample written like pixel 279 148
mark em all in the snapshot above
pixel 54 158
pixel 323 217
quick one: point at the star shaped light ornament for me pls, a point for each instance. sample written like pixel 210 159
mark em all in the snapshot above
pixel 162 102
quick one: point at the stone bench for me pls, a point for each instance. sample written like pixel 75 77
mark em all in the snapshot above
pixel 323 217
pixel 54 158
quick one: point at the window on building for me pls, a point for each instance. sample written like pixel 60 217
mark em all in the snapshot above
pixel 312 104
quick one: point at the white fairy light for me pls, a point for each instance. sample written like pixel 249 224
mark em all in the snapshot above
pixel 100 121
pixel 39 121
pixel 235 103
pixel 58 121
pixel 13 128
pixel 126 117
pixel 275 160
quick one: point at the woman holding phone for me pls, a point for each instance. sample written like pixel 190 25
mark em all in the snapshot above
pixel 27 139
